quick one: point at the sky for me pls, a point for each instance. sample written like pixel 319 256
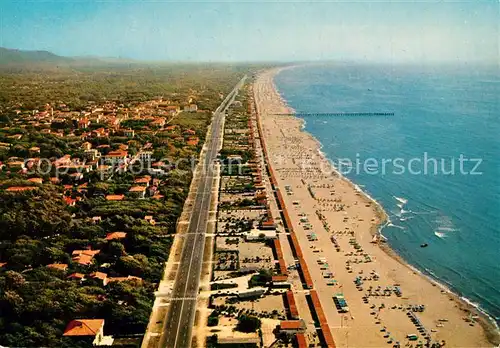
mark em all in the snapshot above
pixel 378 31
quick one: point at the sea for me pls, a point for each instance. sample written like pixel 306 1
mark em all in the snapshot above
pixel 432 160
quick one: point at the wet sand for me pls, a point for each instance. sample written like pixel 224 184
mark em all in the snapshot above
pixel 344 221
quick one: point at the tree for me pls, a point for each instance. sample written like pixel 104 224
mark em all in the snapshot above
pixel 247 323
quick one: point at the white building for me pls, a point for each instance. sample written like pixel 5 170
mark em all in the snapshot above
pixel 256 234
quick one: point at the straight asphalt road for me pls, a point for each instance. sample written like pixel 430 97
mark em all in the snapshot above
pixel 181 312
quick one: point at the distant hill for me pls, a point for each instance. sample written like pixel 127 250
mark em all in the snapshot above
pixel 14 56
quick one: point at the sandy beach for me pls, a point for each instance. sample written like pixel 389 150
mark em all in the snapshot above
pixel 335 224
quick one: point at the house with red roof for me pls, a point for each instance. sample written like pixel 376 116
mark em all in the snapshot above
pixel 99 275
pixel 69 201
pixel 20 188
pixel 91 328
pixel 114 157
pixel 115 197
pixel 83 123
pixel 292 326
pixel 143 180
pixel 137 191
pixel 84 257
pixel 116 235
pixel 173 109
pixel 76 276
pixel 192 141
pixel 158 122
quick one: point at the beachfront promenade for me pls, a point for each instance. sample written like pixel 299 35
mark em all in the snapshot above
pixel 358 294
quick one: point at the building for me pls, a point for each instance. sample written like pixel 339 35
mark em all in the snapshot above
pixel 158 122
pixel 252 292
pixel 92 328
pixel 116 157
pixel 291 326
pixel 191 108
pixel 115 235
pixel 258 234
pixel 267 223
pixel 86 146
pixel 83 123
pixel 130 133
pixel 232 341
pixel 145 156
pixel 99 275
pixel 36 180
pixel 91 154
pixel 145 180
pixel 173 109
pixel 280 281
pixel 84 257
pixel 301 340
pixel 115 197
pixel 192 141
pixel 291 305
pixel 77 276
pixel 137 191
pixel 20 188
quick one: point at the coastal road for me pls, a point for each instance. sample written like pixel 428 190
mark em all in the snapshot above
pixel 180 317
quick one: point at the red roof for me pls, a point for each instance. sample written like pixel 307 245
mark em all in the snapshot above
pixel 301 340
pixel 325 329
pixel 83 327
pixel 69 200
pixel 98 275
pixel 117 154
pixel 84 257
pixel 279 278
pixel 20 188
pixel 36 180
pixel 193 141
pixel 143 180
pixel 85 252
pixel 292 307
pixel 76 276
pixel 114 197
pixel 291 325
pixel 137 189
pixel 116 235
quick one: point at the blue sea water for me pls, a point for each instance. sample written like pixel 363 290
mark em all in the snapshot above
pixel 440 112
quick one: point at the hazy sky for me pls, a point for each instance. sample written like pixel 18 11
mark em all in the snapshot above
pixel 236 31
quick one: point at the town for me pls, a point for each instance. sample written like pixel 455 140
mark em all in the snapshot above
pixel 92 194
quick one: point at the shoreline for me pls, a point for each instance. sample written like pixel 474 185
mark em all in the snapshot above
pixel 485 320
